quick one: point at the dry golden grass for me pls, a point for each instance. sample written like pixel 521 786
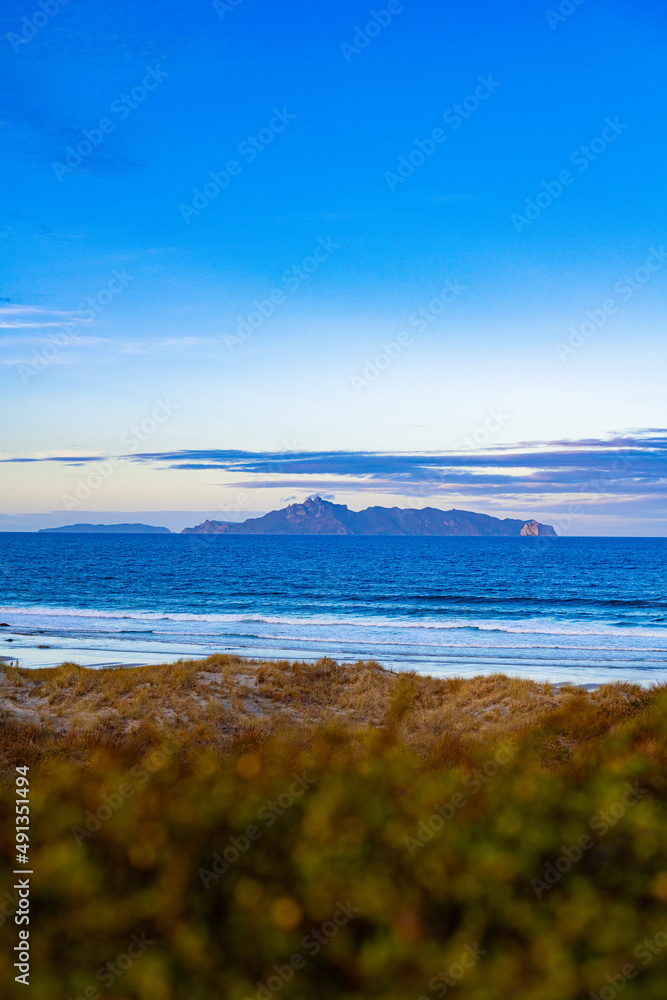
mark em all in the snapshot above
pixel 224 700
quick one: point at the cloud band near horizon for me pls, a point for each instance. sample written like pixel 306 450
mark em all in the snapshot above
pixel 633 463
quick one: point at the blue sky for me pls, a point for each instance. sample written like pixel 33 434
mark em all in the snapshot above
pixel 435 230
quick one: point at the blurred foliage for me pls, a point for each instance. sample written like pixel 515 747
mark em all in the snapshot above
pixel 298 853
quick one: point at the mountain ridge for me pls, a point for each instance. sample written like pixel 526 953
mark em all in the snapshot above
pixel 316 516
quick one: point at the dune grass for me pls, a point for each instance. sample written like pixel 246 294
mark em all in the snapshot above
pixel 316 830
pixel 224 697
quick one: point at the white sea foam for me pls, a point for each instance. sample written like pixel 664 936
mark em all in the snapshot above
pixel 105 621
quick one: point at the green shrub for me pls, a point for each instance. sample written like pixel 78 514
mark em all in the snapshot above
pixel 467 859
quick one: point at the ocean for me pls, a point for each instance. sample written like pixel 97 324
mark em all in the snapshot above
pixel 563 609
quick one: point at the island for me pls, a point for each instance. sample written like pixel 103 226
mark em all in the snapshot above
pixel 107 529
pixel 321 517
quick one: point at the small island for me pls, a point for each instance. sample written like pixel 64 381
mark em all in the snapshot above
pixel 107 529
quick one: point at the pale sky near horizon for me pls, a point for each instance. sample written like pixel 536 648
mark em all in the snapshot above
pixel 431 269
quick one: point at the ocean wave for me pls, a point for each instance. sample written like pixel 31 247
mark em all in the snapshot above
pixel 193 624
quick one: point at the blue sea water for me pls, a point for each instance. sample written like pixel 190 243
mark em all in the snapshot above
pixel 566 609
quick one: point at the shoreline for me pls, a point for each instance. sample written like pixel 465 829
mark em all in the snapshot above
pixel 52 651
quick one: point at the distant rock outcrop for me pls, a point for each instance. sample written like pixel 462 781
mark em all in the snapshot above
pixel 531 528
pixel 321 517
